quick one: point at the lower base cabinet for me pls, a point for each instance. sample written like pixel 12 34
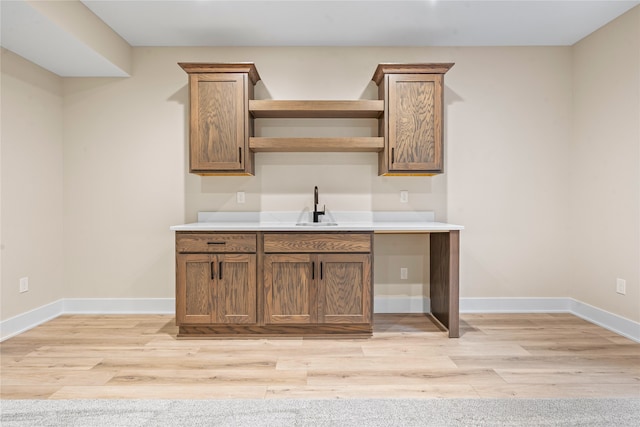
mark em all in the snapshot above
pixel 299 284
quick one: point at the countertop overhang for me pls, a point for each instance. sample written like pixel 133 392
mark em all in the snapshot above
pixel 378 222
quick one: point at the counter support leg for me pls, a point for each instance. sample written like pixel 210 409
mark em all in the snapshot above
pixel 444 292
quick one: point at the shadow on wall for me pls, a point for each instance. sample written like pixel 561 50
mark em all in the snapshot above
pixel 182 97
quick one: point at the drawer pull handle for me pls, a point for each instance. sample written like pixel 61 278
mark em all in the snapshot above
pixel 213 274
pixel 220 269
pixel 216 243
pixel 393 157
pixel 320 271
pixel 313 271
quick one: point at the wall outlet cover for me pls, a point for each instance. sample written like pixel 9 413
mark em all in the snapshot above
pixel 621 286
pixel 24 284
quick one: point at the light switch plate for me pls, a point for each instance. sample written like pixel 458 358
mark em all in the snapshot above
pixel 621 286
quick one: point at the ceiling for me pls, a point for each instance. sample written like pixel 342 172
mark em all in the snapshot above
pixel 308 23
pixel 355 23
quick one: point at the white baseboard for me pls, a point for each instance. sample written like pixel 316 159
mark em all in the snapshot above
pixel 23 322
pixel 618 324
pixel 382 304
pixel 119 306
pixel 514 305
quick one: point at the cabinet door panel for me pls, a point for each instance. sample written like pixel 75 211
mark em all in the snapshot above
pixel 415 135
pixel 194 302
pixel 344 291
pixel 236 288
pixel 290 295
pixel 217 130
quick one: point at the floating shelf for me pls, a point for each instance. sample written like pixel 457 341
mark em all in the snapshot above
pixel 352 144
pixel 360 109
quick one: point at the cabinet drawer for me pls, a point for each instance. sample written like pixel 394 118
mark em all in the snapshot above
pixel 215 243
pixel 317 242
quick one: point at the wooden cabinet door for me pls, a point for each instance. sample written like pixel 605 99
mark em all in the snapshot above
pixel 289 286
pixel 217 121
pixel 215 288
pixel 344 288
pixel 194 282
pixel 415 122
pixel 236 289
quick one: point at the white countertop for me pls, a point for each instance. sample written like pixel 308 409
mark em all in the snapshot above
pixel 346 221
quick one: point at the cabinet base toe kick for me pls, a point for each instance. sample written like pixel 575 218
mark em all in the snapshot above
pixel 244 331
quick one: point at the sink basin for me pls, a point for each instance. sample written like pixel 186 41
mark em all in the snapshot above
pixel 316 224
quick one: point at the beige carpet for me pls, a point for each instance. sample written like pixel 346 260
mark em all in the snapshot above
pixel 322 412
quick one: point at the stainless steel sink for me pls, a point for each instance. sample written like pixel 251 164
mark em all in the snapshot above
pixel 316 224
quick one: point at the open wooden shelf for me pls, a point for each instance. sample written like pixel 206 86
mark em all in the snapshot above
pixel 357 144
pixel 360 109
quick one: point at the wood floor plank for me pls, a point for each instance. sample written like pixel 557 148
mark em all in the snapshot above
pixel 446 349
pixel 567 376
pixel 246 377
pixel 322 364
pixel 179 391
pixel 192 363
pixel 71 363
pixel 27 391
pixel 414 377
pixel 559 348
pixel 629 364
pixel 50 376
pixel 111 351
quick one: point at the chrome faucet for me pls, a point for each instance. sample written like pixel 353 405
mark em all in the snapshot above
pixel 316 212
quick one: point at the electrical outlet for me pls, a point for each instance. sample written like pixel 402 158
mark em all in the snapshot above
pixel 240 197
pixel 404 273
pixel 24 284
pixel 621 286
pixel 404 196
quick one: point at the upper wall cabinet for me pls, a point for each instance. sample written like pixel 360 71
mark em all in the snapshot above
pixel 220 123
pixel 409 111
pixel 412 122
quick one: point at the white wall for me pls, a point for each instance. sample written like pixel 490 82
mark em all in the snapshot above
pixel 31 194
pixel 507 130
pixel 605 166
pixel 508 126
pixel 124 182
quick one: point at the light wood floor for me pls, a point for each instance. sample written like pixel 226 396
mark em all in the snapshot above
pixel 498 355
